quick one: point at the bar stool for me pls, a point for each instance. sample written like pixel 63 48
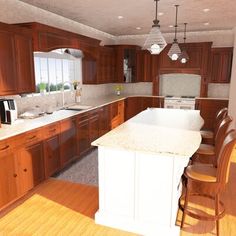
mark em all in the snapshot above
pixel 207 153
pixel 209 181
pixel 208 136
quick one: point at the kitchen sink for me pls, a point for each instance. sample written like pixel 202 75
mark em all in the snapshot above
pixel 77 107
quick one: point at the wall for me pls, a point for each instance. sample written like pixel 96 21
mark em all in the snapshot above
pixel 232 92
pixel 218 90
pixel 14 11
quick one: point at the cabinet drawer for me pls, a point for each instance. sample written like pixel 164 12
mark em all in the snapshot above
pixel 7 145
pixel 51 130
pixel 32 137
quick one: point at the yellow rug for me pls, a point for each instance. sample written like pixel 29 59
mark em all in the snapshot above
pixel 41 216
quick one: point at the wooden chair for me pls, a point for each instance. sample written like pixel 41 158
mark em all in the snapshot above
pixel 209 181
pixel 208 136
pixel 207 153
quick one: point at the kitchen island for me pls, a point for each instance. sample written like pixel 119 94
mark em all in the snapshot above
pixel 140 167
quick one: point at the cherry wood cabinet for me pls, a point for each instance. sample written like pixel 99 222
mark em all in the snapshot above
pixel 104 119
pixel 208 109
pixel 134 105
pixel 117 114
pixel 8 80
pixel 16 60
pixel 68 141
pixel 89 70
pixel 24 64
pixel 106 65
pixel 220 65
pixel 8 174
pixel 52 149
pixel 30 164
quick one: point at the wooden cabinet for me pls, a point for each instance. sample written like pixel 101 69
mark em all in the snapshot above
pixel 16 61
pixel 208 109
pixel 147 65
pixel 104 119
pixel 106 65
pixel 117 114
pixel 68 141
pixel 94 125
pixel 8 79
pixel 125 63
pixel 220 65
pixel 52 149
pixel 24 64
pixel 8 174
pixel 30 164
pixel 89 70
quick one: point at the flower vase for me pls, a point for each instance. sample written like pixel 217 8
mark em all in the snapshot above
pixel 118 92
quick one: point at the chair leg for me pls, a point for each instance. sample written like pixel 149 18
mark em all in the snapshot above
pixel 217 213
pixel 185 207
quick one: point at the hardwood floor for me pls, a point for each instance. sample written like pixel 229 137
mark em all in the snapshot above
pixel 59 207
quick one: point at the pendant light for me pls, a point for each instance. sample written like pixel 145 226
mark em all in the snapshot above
pixel 175 51
pixel 155 42
pixel 184 55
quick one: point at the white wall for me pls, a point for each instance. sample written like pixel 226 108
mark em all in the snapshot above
pixel 14 11
pixel 232 92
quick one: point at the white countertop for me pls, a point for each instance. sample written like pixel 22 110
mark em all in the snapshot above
pixel 158 136
pixel 24 125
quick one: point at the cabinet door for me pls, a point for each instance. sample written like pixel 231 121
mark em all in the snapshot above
pixel 8 84
pixel 147 102
pixel 8 178
pixel 30 164
pixel 83 135
pixel 104 120
pixel 51 155
pixel 25 65
pixel 133 105
pixel 94 127
pixel 68 141
pixel 89 70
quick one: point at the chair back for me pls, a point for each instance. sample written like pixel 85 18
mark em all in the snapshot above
pixel 220 134
pixel 220 115
pixel 224 158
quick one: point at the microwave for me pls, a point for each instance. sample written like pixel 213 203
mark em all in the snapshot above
pixel 8 111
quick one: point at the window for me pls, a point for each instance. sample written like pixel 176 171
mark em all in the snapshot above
pixel 54 71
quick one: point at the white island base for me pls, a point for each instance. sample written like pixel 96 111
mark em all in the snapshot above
pixel 139 192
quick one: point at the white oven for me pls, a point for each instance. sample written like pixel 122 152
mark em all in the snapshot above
pixel 187 103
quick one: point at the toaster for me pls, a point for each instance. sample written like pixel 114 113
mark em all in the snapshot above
pixel 8 111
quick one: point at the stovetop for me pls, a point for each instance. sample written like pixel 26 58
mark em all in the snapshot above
pixel 179 97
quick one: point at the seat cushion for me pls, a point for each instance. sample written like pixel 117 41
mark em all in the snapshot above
pixel 206 149
pixel 201 172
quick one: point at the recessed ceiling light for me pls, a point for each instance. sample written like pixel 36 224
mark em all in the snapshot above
pixel 120 17
pixel 206 10
pixel 138 28
pixel 171 26
pixel 206 23
pixel 160 14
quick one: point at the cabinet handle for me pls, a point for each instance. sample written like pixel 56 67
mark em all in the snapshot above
pixel 25 170
pixel 32 137
pixel 52 130
pixel 14 175
pixel 6 147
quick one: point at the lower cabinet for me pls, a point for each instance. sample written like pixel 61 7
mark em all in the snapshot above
pixel 68 141
pixel 117 114
pixel 30 163
pixel 104 120
pixel 52 155
pixel 8 178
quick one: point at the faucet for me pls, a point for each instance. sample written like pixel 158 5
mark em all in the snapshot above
pixel 63 92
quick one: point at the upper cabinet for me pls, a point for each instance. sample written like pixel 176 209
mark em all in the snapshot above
pixel 220 65
pixel 125 63
pixel 16 68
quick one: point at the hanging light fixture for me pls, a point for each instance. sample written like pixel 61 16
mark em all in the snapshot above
pixel 155 42
pixel 175 51
pixel 184 55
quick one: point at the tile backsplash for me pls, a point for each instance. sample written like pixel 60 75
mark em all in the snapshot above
pixel 54 100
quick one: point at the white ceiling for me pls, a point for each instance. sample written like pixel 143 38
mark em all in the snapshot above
pixel 103 14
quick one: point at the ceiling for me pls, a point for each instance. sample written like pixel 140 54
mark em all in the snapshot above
pixel 103 14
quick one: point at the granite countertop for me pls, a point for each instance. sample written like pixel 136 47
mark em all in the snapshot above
pixel 24 125
pixel 159 138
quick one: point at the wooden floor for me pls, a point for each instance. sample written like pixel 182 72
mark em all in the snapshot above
pixel 62 208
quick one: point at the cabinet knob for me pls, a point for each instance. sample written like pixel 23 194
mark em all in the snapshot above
pixel 25 170
pixel 14 175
